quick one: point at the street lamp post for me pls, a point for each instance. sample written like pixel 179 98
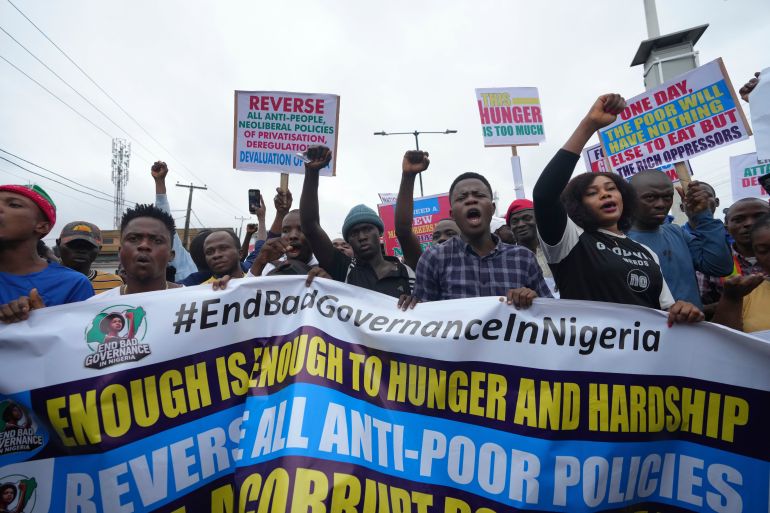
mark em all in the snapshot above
pixel 416 135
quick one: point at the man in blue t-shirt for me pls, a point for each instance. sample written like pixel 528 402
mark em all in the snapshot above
pixel 27 281
pixel 681 252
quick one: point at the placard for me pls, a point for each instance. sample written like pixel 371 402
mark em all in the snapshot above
pixel 510 116
pixel 693 114
pixel 745 171
pixel 272 127
pixel 428 211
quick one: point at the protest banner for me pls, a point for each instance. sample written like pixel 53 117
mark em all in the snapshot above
pixel 387 197
pixel 594 160
pixel 274 397
pixel 428 211
pixel 694 113
pixel 745 171
pixel 510 116
pixel 272 127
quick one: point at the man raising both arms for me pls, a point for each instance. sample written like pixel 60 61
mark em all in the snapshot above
pixel 362 229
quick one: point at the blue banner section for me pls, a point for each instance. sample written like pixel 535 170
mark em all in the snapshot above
pixel 688 110
pixel 426 206
pixel 145 475
pixel 525 472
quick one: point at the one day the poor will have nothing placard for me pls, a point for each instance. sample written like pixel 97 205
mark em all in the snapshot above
pixel 273 128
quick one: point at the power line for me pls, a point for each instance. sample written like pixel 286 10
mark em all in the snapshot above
pixel 55 173
pixel 198 219
pixel 113 100
pixel 137 141
pixel 55 181
pixel 59 192
pixel 73 109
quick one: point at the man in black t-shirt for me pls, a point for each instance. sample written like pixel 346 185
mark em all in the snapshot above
pixel 362 230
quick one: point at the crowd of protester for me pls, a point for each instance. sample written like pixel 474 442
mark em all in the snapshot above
pixel 592 237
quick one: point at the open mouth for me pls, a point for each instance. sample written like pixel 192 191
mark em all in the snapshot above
pixel 473 216
pixel 609 207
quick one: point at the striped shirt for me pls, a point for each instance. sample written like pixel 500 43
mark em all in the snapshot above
pixel 103 281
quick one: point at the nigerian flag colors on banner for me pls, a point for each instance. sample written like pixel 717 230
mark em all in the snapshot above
pixel 276 397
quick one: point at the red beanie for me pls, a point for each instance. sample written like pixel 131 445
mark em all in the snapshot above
pixel 36 194
pixel 519 204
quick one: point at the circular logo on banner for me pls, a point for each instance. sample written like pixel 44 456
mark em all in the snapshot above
pixel 115 336
pixel 638 280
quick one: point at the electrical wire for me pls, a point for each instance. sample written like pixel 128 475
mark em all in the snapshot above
pixel 56 174
pixel 55 181
pixel 89 102
pixel 59 192
pixel 73 109
pixel 226 202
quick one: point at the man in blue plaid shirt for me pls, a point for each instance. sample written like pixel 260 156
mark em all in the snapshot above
pixel 476 263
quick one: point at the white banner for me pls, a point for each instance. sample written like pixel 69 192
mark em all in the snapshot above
pixel 273 396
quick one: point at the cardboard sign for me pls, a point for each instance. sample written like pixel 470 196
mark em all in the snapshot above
pixel 694 113
pixel 510 116
pixel 745 171
pixel 593 157
pixel 272 127
pixel 428 211
pixel 387 197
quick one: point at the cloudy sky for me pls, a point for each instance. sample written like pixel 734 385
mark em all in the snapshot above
pixel 397 66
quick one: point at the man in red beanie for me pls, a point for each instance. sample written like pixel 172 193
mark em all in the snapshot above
pixel 521 218
pixel 27 281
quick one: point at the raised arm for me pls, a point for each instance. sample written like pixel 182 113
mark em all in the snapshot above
pixel 549 211
pixel 414 162
pixel 261 226
pixel 709 250
pixel 282 202
pixel 251 228
pixel 319 156
pixel 182 261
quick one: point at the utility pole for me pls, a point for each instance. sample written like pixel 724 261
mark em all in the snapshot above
pixel 416 135
pixel 241 219
pixel 185 242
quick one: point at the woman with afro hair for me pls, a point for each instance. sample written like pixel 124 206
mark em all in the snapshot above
pixel 581 224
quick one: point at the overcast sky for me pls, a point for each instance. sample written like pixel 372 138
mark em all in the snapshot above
pixel 397 66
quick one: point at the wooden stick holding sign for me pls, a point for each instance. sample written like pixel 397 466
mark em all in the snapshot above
pixel 683 173
pixel 284 182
